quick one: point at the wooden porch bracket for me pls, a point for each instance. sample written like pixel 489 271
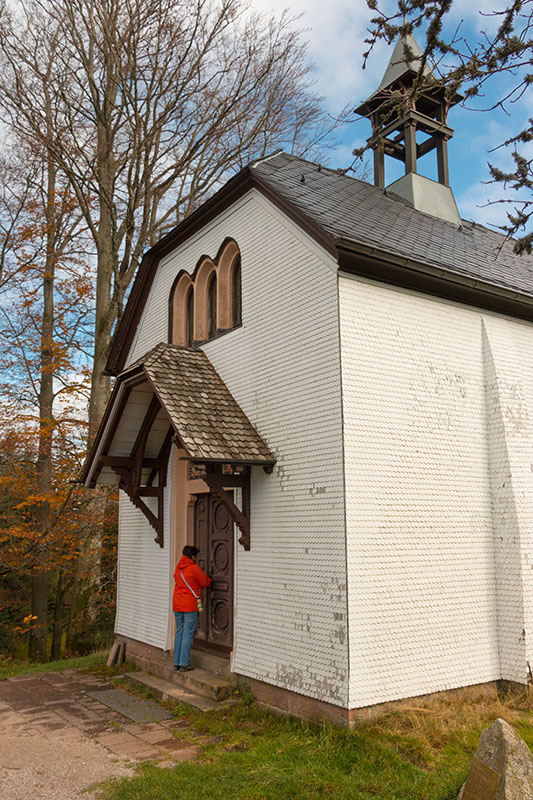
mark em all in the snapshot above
pixel 142 437
pixel 218 483
pixel 129 469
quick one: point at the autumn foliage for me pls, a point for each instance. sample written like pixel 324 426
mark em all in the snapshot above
pixel 47 521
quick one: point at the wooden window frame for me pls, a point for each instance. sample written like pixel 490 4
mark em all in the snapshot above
pixel 222 270
pixel 179 295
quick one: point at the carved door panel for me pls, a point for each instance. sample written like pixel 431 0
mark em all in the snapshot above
pixel 213 535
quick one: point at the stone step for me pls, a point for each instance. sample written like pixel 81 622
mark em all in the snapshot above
pixel 215 664
pixel 203 682
pixel 170 692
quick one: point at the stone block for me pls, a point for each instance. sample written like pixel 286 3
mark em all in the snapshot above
pixel 173 744
pixel 188 754
pixel 272 696
pixel 502 768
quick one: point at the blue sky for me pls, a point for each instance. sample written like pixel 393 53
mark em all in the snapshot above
pixel 336 30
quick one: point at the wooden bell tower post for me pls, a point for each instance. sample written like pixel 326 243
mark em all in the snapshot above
pixel 397 117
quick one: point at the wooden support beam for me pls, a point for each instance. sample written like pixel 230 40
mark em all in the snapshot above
pixel 142 436
pixel 117 417
pixel 410 147
pixel 442 161
pixel 146 491
pixel 155 521
pixel 216 484
pixel 162 458
pixel 113 654
pixel 423 122
pixel 129 470
pixel 426 147
pixel 128 462
pixel 429 125
pixel 394 149
pixel 379 166
pixel 230 481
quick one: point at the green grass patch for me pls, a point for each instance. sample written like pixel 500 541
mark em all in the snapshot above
pixel 95 663
pixel 420 753
pixel 286 759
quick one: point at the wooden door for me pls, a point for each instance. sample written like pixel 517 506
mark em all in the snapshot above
pixel 213 535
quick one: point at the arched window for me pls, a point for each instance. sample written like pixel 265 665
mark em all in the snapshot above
pixel 212 305
pixel 180 320
pixel 236 293
pixel 189 318
pixel 229 289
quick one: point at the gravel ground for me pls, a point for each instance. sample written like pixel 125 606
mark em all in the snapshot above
pixel 39 767
pixel 56 741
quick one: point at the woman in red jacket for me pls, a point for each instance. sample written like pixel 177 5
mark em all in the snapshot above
pixel 189 580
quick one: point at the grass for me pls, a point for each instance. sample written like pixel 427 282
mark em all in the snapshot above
pixel 419 753
pixel 94 663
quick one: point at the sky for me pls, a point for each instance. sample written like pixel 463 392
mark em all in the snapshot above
pixel 335 32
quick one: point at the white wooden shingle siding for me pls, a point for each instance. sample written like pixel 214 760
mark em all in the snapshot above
pixel 143 575
pixel 508 368
pixel 283 369
pixel 437 401
pixel 436 535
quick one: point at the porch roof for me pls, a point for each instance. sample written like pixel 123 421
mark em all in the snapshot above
pixel 189 400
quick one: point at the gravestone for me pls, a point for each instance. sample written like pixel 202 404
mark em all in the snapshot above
pixel 502 768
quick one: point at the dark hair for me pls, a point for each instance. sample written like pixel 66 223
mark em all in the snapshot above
pixel 190 551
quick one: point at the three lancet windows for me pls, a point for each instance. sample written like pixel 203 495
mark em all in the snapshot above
pixel 208 302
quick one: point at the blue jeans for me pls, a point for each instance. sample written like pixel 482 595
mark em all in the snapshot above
pixel 185 628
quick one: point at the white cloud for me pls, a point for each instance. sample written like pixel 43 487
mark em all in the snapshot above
pixel 481 200
pixel 72 396
pixel 335 32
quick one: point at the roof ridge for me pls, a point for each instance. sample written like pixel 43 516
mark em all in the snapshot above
pixel 317 164
pixel 466 224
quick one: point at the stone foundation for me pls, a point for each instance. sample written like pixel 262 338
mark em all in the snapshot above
pixel 148 658
pixel 289 703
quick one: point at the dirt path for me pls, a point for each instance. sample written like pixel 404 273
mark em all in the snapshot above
pixel 55 741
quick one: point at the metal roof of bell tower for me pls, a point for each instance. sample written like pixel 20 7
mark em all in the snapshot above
pixel 409 112
pixel 406 57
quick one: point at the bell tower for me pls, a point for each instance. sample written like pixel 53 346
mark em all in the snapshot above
pixel 408 128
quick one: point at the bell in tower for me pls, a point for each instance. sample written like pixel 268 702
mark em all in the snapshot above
pixel 408 127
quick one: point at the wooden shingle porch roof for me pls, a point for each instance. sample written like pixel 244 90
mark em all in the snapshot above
pixel 210 424
pixel 172 394
pixel 203 415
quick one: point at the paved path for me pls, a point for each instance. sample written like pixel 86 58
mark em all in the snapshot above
pixel 55 741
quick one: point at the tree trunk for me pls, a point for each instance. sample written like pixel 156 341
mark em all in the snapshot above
pixel 100 383
pixel 38 636
pixel 107 257
pixel 72 611
pixel 57 631
pixel 39 608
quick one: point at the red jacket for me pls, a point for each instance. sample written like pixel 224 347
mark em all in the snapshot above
pixel 183 599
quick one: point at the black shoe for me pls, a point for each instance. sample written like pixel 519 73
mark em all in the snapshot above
pixel 187 668
pixel 176 668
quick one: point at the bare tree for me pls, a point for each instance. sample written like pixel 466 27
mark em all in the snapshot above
pixel 40 330
pixel 151 104
pixel 462 64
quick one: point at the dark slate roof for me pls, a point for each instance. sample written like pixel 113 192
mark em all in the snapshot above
pixel 347 208
pixel 209 422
